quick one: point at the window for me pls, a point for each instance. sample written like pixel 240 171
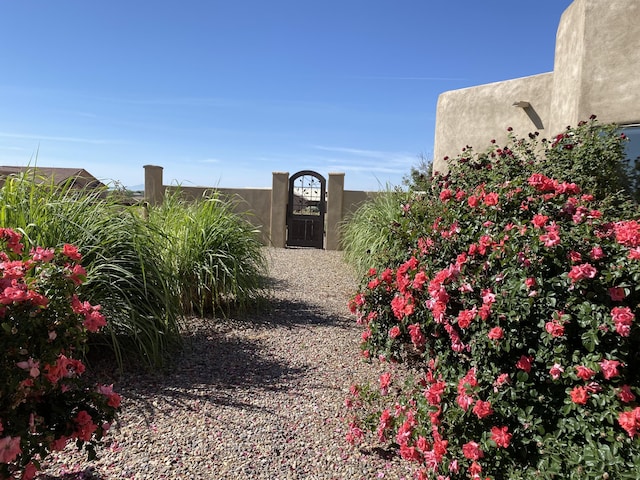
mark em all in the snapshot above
pixel 633 155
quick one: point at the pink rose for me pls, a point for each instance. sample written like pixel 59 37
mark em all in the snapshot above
pixel 471 450
pixel 496 333
pixel 394 332
pixel 579 395
pixel 501 436
pixel 617 294
pixel 524 363
pixel 556 371
pixel 609 368
pixel 584 373
pixel 482 409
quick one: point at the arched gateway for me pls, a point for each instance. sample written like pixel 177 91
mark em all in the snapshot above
pixel 306 209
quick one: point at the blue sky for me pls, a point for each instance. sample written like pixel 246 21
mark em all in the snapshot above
pixel 224 92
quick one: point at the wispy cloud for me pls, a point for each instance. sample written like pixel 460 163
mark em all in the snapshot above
pixel 369 155
pixel 353 151
pixel 348 159
pixel 409 78
pixel 33 136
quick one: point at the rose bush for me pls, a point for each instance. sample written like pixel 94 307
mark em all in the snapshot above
pixel 515 308
pixel 44 403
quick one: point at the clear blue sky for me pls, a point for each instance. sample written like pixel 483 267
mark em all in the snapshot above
pixel 224 92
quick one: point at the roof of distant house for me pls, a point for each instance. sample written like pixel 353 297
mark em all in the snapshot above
pixel 79 177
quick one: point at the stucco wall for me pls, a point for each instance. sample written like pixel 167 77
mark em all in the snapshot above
pixel 567 68
pixel 253 203
pixel 474 116
pixel 266 208
pixel 596 71
pixel 611 65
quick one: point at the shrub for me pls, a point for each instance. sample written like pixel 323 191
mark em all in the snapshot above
pixel 44 326
pixel 215 255
pixel 365 234
pixel 120 251
pixel 515 308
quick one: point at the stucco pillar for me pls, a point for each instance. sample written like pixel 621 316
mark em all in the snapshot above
pixel 153 190
pixel 335 200
pixel 279 199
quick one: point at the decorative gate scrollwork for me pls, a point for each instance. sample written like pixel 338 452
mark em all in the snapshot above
pixel 306 210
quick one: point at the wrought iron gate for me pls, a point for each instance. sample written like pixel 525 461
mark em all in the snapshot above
pixel 306 210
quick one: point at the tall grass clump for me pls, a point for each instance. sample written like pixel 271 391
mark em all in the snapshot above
pixel 215 255
pixel 365 235
pixel 120 253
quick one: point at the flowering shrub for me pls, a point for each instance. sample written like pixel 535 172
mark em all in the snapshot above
pixel 515 309
pixel 43 333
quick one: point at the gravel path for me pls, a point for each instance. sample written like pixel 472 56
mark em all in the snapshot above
pixel 249 398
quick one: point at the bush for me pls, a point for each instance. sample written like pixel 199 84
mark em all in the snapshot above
pixel 120 251
pixel 515 308
pixel 44 326
pixel 215 256
pixel 365 234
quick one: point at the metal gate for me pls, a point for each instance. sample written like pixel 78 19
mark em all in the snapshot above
pixel 306 209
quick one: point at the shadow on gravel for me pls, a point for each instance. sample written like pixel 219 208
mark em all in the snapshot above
pixel 87 474
pixel 213 368
pixel 287 313
pixel 225 361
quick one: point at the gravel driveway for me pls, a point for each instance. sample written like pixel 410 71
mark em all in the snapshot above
pixel 249 398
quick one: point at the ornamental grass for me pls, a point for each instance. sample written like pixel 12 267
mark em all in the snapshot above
pixel 215 255
pixel 120 252
pixel 147 271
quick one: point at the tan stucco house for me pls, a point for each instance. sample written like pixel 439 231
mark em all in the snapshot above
pixel 596 72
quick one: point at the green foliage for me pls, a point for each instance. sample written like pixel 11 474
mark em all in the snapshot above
pixel 514 303
pixel 420 175
pixel 120 251
pixel 185 258
pixel 215 255
pixel 44 327
pixel 365 235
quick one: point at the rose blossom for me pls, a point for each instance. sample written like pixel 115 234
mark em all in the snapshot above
pixel 617 294
pixel 482 409
pixel 609 368
pixel 630 421
pixel 582 271
pixel 471 450
pixel 385 381
pixel 491 199
pixel 584 373
pixel 554 328
pixel 579 395
pixel 71 251
pixel 596 253
pixel 623 318
pixel 626 395
pixel 539 221
pixel 496 333
pixel 556 371
pixel 394 332
pixel 524 363
pixel 501 436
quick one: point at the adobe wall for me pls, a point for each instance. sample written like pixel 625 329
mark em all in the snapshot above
pixel 596 65
pixel 253 203
pixel 474 116
pixel 265 208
